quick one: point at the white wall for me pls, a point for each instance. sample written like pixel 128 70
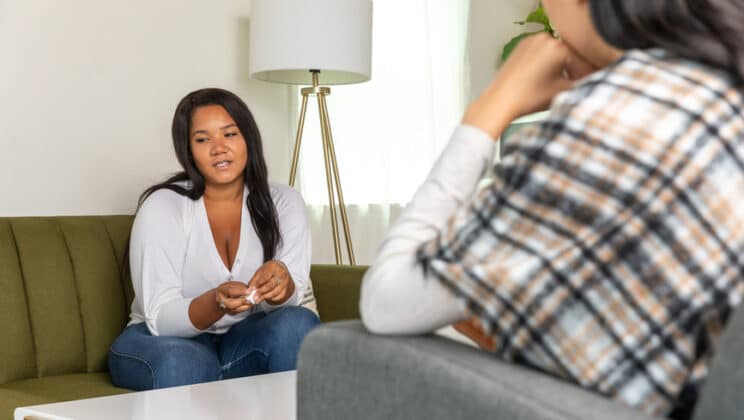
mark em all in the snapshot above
pixel 88 89
pixel 491 26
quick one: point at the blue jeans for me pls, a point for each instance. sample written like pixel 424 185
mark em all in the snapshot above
pixel 261 343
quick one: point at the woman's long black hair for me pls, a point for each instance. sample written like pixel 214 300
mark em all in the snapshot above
pixel 710 31
pixel 260 205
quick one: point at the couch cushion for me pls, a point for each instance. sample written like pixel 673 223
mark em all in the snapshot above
pixel 103 311
pixel 51 294
pixel 118 229
pixel 337 290
pixel 63 300
pixel 54 389
pixel 345 372
pixel 17 359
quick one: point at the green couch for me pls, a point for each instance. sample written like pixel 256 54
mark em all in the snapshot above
pixel 63 301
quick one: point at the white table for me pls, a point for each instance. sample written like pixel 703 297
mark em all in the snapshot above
pixel 256 397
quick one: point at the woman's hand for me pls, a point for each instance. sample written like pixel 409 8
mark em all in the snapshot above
pixel 231 297
pixel 538 69
pixel 273 283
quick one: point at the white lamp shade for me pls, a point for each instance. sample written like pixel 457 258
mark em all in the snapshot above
pixel 288 38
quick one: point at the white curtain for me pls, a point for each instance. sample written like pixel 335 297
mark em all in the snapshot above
pixel 389 131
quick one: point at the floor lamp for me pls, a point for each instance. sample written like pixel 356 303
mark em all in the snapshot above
pixel 316 43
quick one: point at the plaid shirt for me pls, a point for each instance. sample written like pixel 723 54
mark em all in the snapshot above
pixel 608 248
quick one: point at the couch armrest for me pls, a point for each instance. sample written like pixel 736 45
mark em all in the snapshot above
pixel 336 290
pixel 347 373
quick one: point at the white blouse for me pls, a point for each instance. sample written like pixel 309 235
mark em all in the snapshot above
pixel 173 258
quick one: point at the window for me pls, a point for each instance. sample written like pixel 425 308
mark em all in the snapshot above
pixel 388 132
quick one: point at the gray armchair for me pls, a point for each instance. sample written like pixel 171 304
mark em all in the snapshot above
pixel 344 372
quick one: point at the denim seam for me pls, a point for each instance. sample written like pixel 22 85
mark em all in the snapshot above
pixel 143 361
pixel 229 365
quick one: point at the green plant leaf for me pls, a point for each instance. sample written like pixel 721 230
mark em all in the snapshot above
pixel 509 47
pixel 538 16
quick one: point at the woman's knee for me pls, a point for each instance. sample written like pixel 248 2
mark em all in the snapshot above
pixel 138 360
pixel 288 327
pixel 129 371
pixel 294 321
pixel 184 362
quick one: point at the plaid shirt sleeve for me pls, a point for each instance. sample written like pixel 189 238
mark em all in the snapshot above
pixel 606 251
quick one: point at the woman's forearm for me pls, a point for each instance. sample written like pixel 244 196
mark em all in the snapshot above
pixel 204 310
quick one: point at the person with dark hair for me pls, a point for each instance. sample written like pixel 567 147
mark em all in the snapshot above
pixel 608 249
pixel 219 259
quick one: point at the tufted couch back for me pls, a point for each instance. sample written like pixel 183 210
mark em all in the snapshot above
pixel 62 298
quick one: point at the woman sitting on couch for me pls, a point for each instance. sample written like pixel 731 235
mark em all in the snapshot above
pixel 219 259
pixel 608 248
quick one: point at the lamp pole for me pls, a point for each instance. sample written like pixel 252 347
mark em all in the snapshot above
pixel 331 166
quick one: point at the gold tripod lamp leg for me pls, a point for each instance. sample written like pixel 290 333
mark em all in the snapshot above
pixel 298 141
pixel 331 166
pixel 329 175
pixel 337 178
